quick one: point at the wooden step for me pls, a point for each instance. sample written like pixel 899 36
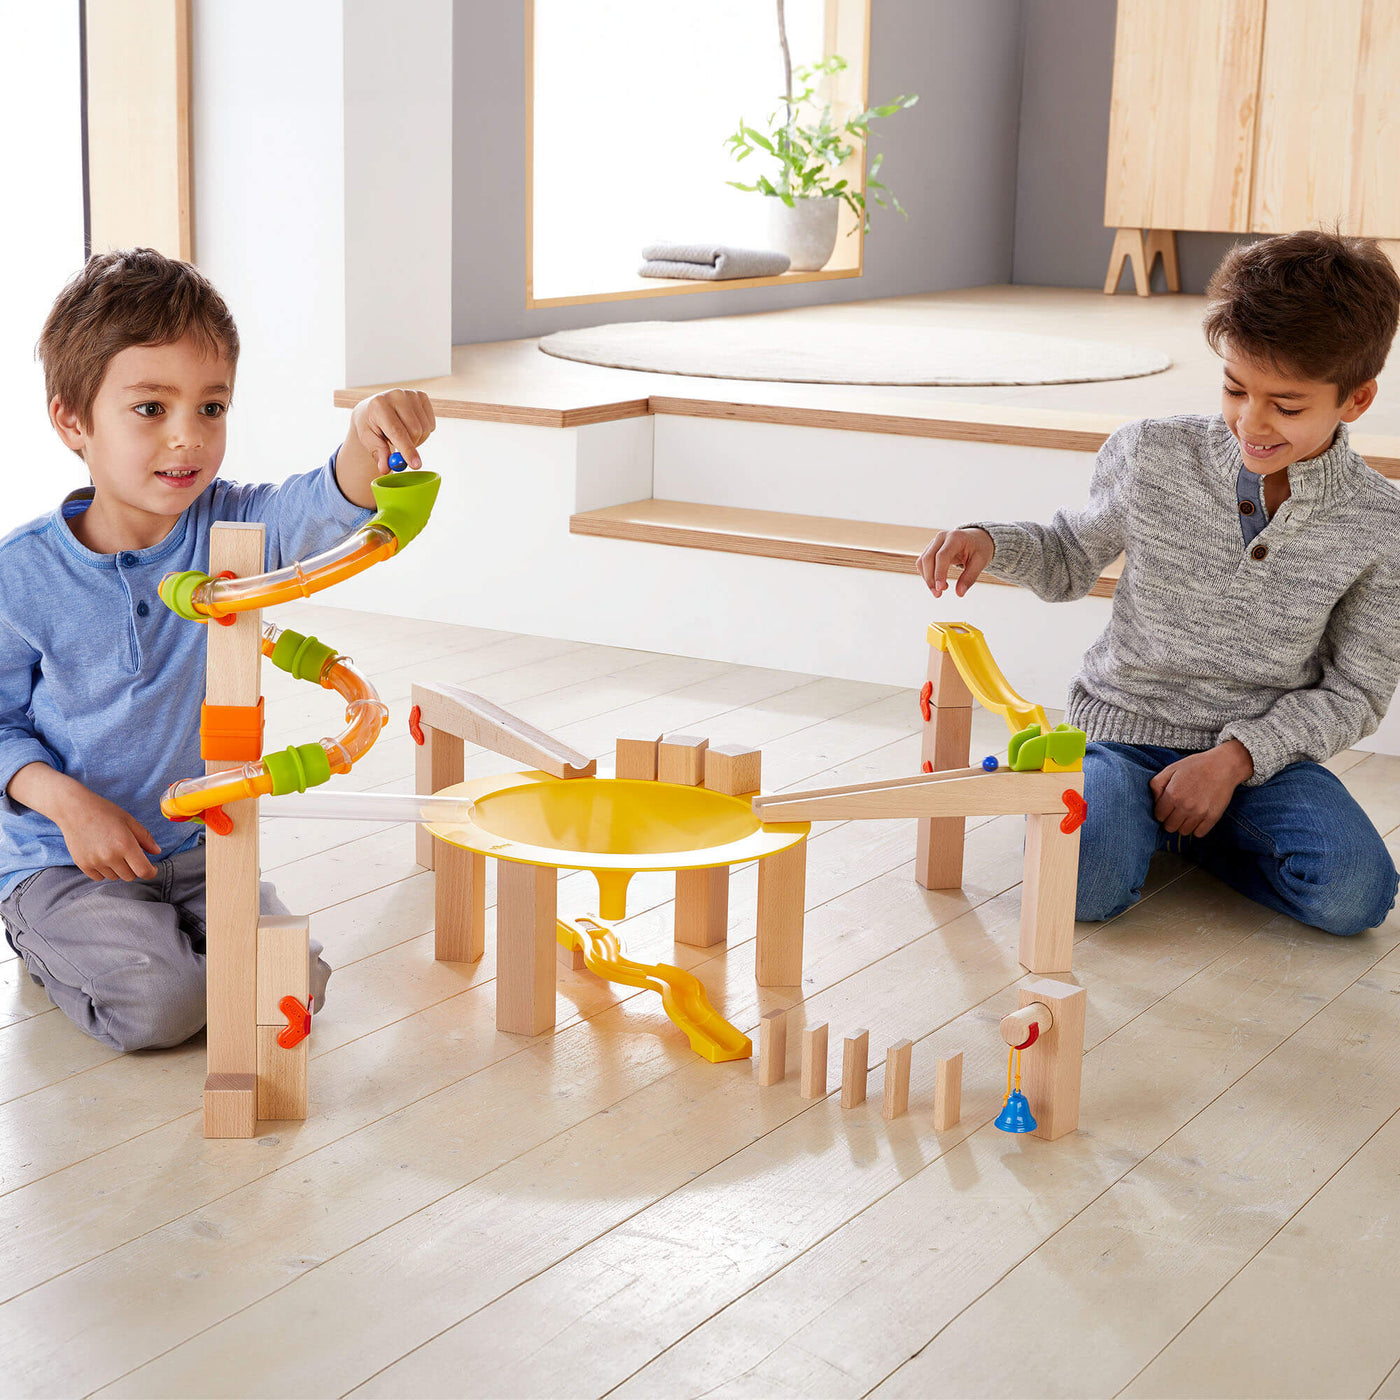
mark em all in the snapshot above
pixel 810 539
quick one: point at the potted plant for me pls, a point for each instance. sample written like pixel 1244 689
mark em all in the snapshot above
pixel 807 189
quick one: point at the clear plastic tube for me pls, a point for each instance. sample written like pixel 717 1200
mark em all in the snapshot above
pixel 367 807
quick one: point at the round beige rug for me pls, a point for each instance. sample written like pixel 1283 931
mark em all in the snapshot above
pixel 794 352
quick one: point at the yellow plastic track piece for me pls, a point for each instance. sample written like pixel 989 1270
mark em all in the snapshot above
pixel 682 993
pixel 983 677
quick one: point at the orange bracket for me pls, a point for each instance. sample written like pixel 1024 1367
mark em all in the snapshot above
pixel 298 1021
pixel 925 701
pixel 217 820
pixel 232 732
pixel 227 619
pixel 1076 809
pixel 415 726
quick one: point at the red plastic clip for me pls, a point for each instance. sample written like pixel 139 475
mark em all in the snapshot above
pixel 298 1022
pixel 218 821
pixel 415 727
pixel 928 765
pixel 226 619
pixel 925 701
pixel 1076 809
pixel 1031 1039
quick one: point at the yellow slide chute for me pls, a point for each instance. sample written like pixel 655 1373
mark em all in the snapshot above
pixel 983 677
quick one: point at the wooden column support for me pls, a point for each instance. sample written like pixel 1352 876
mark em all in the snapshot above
pixel 459 903
pixel 702 906
pixel 947 741
pixel 782 897
pixel 1141 248
pixel 1053 1067
pixel 1049 887
pixel 526 928
pixel 438 763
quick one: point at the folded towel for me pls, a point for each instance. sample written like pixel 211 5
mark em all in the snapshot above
pixel 712 262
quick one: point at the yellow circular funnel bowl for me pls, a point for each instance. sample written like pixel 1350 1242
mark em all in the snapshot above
pixel 613 827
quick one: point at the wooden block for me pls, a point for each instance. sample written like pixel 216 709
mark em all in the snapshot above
pixel 1049 887
pixel 284 957
pixel 680 758
pixel 231 1105
pixel 1053 1067
pixel 232 677
pixel 814 1040
pixel 947 745
pixel 897 1061
pixel 947 1093
pixel 733 769
pixel 782 897
pixel 855 1064
pixel 437 763
pixel 459 902
pixel 281 1077
pixel 997 794
pixel 636 757
pixel 772 1048
pixel 949 689
pixel 526 929
pixel 570 958
pixel 702 906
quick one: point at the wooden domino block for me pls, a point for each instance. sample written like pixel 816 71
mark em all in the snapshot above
pixel 855 1064
pixel 636 757
pixel 733 769
pixel 947 1093
pixel 814 1040
pixel 680 758
pixel 772 1048
pixel 897 1061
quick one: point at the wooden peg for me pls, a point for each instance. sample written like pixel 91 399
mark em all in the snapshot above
pixel 1054 1065
pixel 680 758
pixel 636 757
pixel 772 1048
pixel 733 769
pixel 814 1061
pixel 855 1064
pixel 947 1093
pixel 897 1061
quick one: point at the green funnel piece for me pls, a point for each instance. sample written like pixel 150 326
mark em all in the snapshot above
pixel 405 501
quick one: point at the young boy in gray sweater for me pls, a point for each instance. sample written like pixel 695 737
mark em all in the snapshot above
pixel 1255 631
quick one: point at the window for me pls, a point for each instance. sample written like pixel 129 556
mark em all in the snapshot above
pixel 630 106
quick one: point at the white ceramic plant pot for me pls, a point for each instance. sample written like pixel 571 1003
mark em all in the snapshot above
pixel 806 232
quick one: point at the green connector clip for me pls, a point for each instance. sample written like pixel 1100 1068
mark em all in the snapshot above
pixel 298 767
pixel 1063 747
pixel 303 658
pixel 177 593
pixel 405 501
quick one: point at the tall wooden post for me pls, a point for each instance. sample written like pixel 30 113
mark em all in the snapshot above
pixel 947 743
pixel 1049 885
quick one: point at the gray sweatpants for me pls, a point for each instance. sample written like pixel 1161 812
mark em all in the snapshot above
pixel 124 960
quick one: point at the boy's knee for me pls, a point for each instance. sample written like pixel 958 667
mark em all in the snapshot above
pixel 1350 899
pixel 171 1011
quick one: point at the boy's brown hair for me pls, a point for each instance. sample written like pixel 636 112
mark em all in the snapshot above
pixel 134 296
pixel 1312 303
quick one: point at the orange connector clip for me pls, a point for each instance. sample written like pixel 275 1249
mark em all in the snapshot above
pixel 298 1025
pixel 415 727
pixel 232 732
pixel 1076 809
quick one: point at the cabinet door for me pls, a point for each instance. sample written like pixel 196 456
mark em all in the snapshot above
pixel 1329 118
pixel 1181 127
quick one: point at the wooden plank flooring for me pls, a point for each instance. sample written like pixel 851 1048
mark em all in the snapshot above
pixel 597 1211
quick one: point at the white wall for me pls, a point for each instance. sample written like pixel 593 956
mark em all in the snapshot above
pixel 41 242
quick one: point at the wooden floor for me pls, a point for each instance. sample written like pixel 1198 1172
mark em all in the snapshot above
pixel 600 1212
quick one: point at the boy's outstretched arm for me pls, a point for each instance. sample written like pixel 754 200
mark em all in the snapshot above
pixel 395 421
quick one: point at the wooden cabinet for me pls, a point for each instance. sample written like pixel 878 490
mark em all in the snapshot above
pixel 1239 116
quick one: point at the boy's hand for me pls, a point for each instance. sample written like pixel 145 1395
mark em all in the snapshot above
pixel 106 843
pixel 1193 793
pixel 969 550
pixel 396 421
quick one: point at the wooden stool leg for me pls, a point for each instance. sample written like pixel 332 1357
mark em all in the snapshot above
pixel 702 906
pixel 526 928
pixel 1054 1065
pixel 1049 884
pixel 947 743
pixel 782 897
pixel 459 899
pixel 1128 243
pixel 438 763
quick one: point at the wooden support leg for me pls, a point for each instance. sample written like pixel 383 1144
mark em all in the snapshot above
pixel 1049 886
pixel 772 1048
pixel 947 1093
pixel 897 1061
pixel 947 741
pixel 1054 1065
pixel 855 1064
pixel 702 906
pixel 782 897
pixel 526 928
pixel 1128 243
pixel 814 1039
pixel 1161 242
pixel 438 763
pixel 459 900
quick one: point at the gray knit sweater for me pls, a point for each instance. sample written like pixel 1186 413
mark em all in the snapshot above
pixel 1290 644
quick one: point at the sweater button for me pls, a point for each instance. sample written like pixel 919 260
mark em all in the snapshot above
pixel 142 608
pixel 1260 551
pixel 1246 507
pixel 128 559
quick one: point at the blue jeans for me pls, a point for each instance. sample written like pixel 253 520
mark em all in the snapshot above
pixel 1298 844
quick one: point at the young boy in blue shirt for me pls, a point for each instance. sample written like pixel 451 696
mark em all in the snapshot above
pixel 101 685
pixel 1255 631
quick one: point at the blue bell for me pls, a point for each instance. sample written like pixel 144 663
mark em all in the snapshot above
pixel 1016 1116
